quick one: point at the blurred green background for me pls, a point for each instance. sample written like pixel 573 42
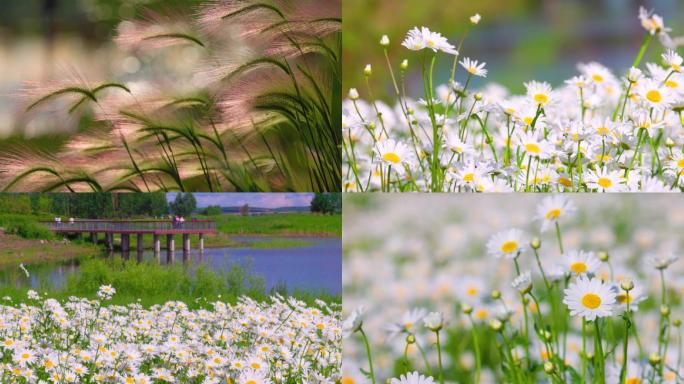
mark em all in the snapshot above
pixel 45 40
pixel 520 40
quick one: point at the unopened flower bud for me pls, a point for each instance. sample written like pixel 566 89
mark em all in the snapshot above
pixel 603 256
pixel 368 70
pixel 665 310
pixel 627 284
pixel 353 94
pixel 410 338
pixel 475 19
pixel 467 309
pixel 404 65
pixel 676 322
pixel 384 41
pixel 547 335
pixel 549 367
pixel 496 294
pixel 478 96
pixel 535 243
pixel 496 325
pixel 654 359
pixel 669 142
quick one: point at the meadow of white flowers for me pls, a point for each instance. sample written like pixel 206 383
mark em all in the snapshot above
pixel 601 131
pixel 84 341
pixel 518 288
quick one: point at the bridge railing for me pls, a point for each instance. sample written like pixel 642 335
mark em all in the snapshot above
pixel 130 226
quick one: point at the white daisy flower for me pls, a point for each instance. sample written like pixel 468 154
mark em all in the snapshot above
pixel 418 39
pixel 553 208
pixel 473 67
pixel 589 298
pixel 508 243
pixel 412 378
pixel 580 262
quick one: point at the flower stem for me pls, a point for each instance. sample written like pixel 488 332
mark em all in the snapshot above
pixel 642 50
pixel 476 346
pixel 599 364
pixel 368 353
pixel 439 359
pixel 628 324
pixel 559 238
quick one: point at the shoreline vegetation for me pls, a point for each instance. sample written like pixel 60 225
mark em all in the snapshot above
pixel 26 241
pixel 148 284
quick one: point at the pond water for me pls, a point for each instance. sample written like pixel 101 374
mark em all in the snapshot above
pixel 316 266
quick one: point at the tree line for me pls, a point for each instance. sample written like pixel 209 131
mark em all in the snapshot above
pixel 86 205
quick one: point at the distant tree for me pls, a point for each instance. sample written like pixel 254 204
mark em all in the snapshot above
pixel 15 203
pixel 326 203
pixel 244 210
pixel 184 204
pixel 212 210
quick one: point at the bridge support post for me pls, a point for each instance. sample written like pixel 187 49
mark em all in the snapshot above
pixel 201 242
pixel 186 248
pixel 125 245
pixel 170 249
pixel 157 248
pixel 139 246
pixel 93 237
pixel 109 240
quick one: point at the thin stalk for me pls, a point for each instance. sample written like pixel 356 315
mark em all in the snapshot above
pixel 368 353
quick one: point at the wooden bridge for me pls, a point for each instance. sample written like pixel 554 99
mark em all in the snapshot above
pixel 139 228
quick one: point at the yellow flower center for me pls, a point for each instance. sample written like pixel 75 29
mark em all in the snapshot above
pixel 469 177
pixel 578 267
pixel 597 78
pixel 509 246
pixel 251 382
pixel 602 131
pixel 347 380
pixel 528 120
pixel 654 96
pixel 553 214
pixel 532 148
pixel 671 84
pixel 25 355
pixel 632 380
pixel 408 325
pixel 564 181
pixel 623 298
pixel 391 157
pixel 591 301
pixel 481 314
pixel 604 182
pixel 256 365
pixel 680 163
pixel 541 98
pixel 471 291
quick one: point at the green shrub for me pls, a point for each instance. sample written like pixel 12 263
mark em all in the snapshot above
pixel 24 226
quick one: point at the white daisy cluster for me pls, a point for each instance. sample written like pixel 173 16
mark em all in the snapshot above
pixel 518 288
pixel 81 341
pixel 600 131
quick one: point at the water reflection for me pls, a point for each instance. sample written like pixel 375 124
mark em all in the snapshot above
pixel 314 267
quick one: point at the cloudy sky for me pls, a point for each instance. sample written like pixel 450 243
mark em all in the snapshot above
pixel 260 200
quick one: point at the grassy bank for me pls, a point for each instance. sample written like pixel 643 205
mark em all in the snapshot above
pixel 220 240
pixel 150 283
pixel 286 224
pixel 16 250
